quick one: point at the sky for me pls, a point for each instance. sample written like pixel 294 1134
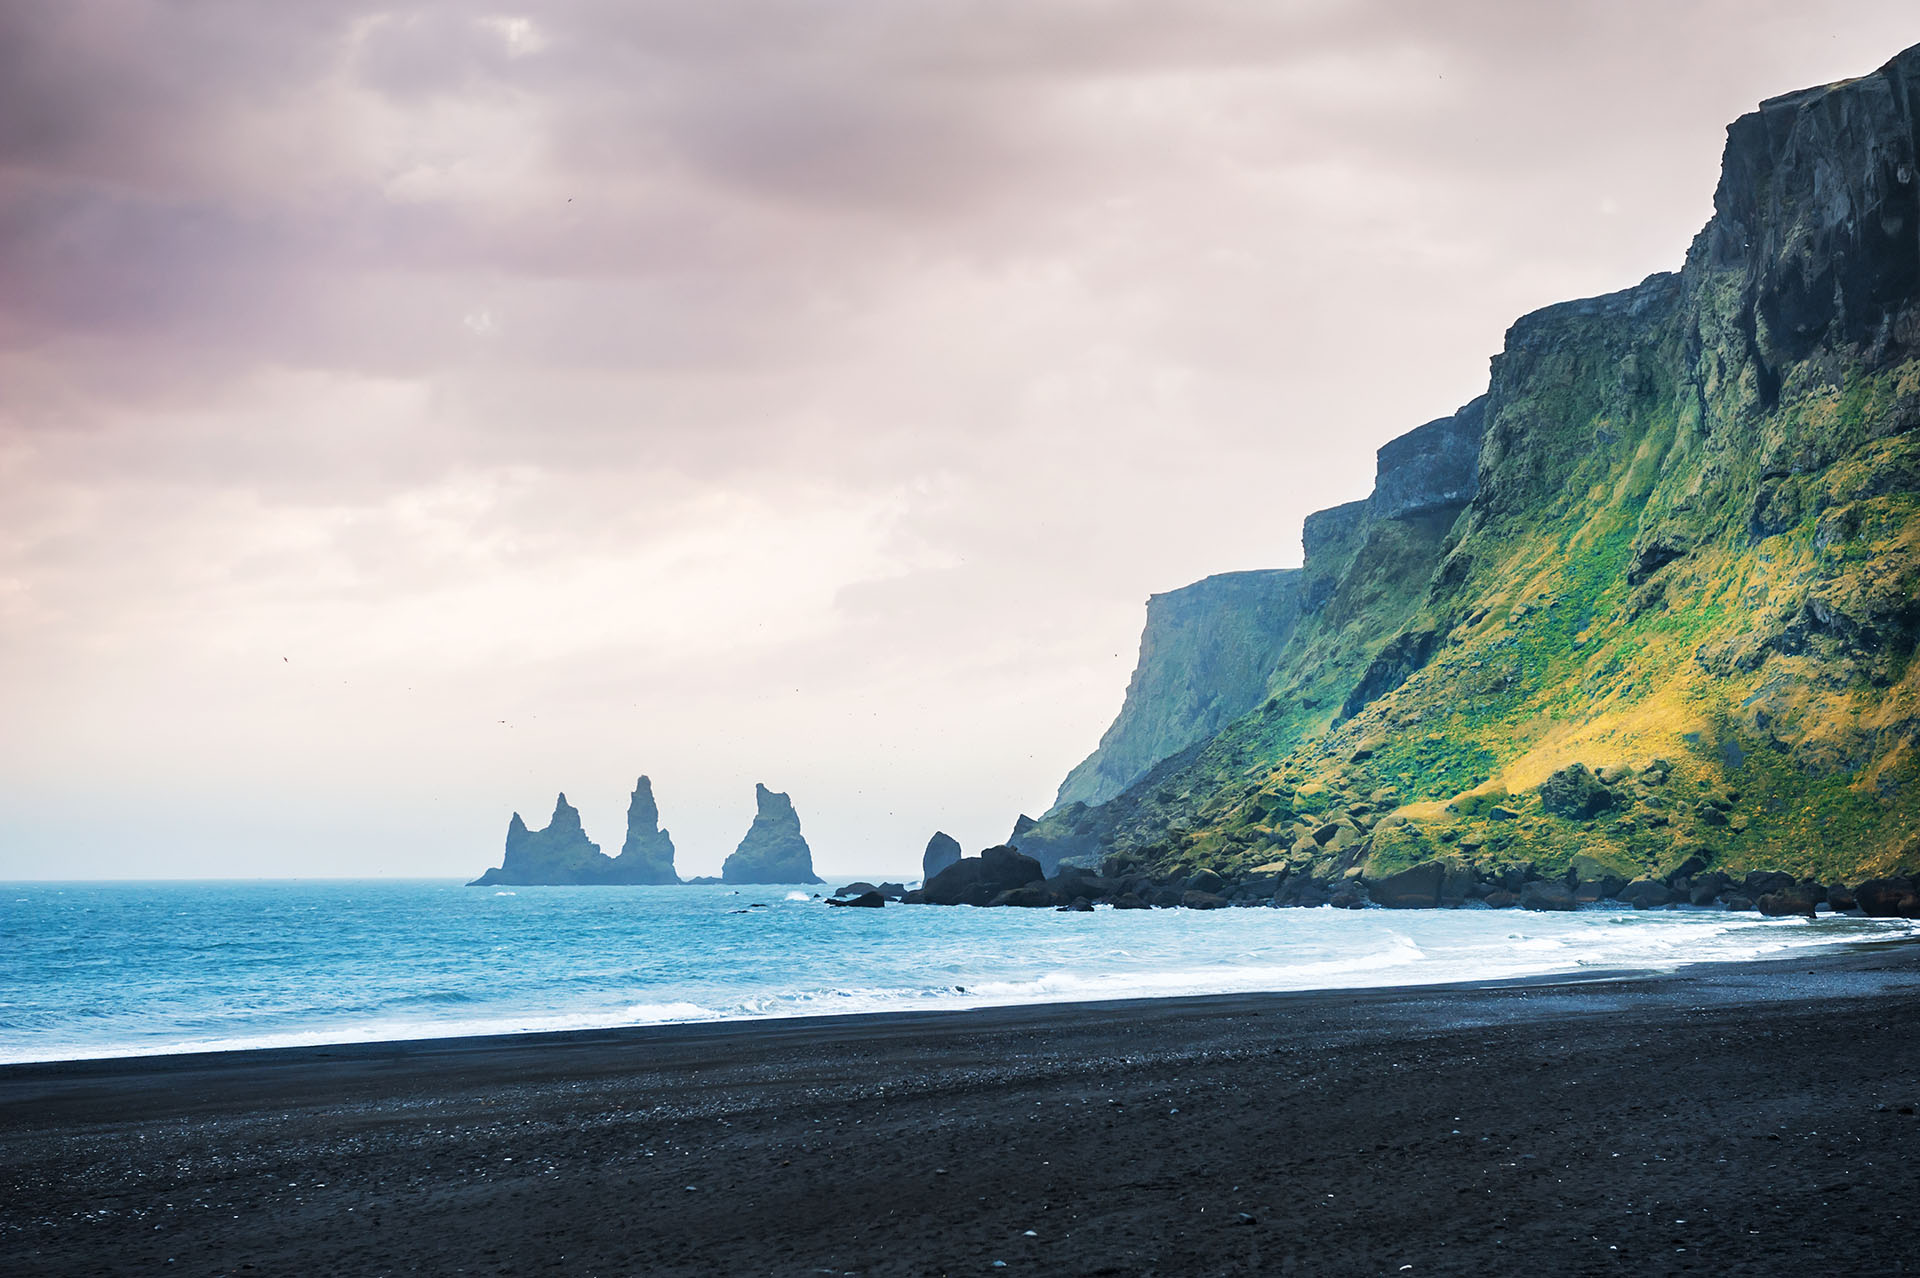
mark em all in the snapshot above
pixel 409 412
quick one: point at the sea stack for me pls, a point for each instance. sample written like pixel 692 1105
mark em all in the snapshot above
pixel 647 855
pixel 773 851
pixel 561 853
pixel 942 850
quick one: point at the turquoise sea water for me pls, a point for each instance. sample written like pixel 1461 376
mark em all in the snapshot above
pixel 103 969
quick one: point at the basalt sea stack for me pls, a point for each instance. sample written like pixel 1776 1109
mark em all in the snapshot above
pixel 562 853
pixel 773 850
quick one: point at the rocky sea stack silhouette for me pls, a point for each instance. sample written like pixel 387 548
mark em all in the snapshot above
pixel 563 854
pixel 773 850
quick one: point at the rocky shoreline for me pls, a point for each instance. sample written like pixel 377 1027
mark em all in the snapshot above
pixel 1003 876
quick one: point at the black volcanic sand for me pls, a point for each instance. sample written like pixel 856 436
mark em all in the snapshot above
pixel 1745 1119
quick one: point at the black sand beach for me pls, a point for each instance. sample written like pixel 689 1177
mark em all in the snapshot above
pixel 1742 1119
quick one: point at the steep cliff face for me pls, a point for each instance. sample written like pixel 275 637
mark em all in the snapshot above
pixel 647 855
pixel 773 850
pixel 560 853
pixel 1204 660
pixel 1688 562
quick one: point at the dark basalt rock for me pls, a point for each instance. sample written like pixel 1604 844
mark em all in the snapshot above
pixel 942 850
pixel 1544 895
pixel 1034 896
pixel 1501 899
pixel 1765 883
pixel 560 853
pixel 857 888
pixel 1646 894
pixel 647 855
pixel 1895 898
pixel 1205 881
pixel 1128 901
pixel 977 880
pixel 773 850
pixel 1072 882
pixel 866 900
pixel 1079 905
pixel 1196 900
pixel 1413 889
pixel 1793 900
pixel 1840 897
pixel 1576 793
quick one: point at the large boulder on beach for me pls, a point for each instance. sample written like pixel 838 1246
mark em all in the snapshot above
pixel 1796 899
pixel 977 880
pixel 1542 894
pixel 773 850
pixel 1646 894
pixel 942 850
pixel 1895 898
pixel 1417 888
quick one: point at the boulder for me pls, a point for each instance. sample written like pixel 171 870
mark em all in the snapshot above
pixel 1593 881
pixel 1840 898
pixel 893 891
pixel 1738 903
pixel 1895 898
pixel 1079 905
pixel 1793 900
pixel 1646 894
pixel 1500 899
pixel 1033 896
pixel 1196 900
pixel 1765 882
pixel 1576 793
pixel 1348 896
pixel 1128 901
pixel 866 900
pixel 942 850
pixel 1072 881
pixel 1546 894
pixel 1417 888
pixel 1205 881
pixel 976 880
pixel 859 888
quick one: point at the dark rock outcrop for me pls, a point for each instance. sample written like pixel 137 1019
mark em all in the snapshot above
pixel 647 855
pixel 1576 793
pixel 1543 895
pixel 558 854
pixel 1894 898
pixel 977 880
pixel 1412 889
pixel 773 850
pixel 1431 467
pixel 942 850
pixel 1205 655
pixel 868 900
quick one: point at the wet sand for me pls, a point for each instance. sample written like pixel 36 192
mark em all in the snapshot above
pixel 1735 1119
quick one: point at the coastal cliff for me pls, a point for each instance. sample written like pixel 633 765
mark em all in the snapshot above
pixel 1679 580
pixel 1204 659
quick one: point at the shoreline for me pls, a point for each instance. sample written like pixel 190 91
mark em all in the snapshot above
pixel 1722 1118
pixel 503 1037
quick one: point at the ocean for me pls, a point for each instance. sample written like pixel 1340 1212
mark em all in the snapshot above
pixel 116 969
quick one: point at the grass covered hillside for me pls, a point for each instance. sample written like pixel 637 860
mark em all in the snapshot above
pixel 1672 622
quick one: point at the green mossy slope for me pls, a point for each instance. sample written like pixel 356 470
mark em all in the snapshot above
pixel 1692 566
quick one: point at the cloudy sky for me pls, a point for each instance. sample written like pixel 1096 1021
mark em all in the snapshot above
pixel 407 412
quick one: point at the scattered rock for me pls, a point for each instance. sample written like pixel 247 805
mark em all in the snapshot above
pixel 1895 898
pixel 1544 894
pixel 866 900
pixel 1575 793
pixel 1646 894
pixel 1195 900
pixel 976 880
pixel 942 850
